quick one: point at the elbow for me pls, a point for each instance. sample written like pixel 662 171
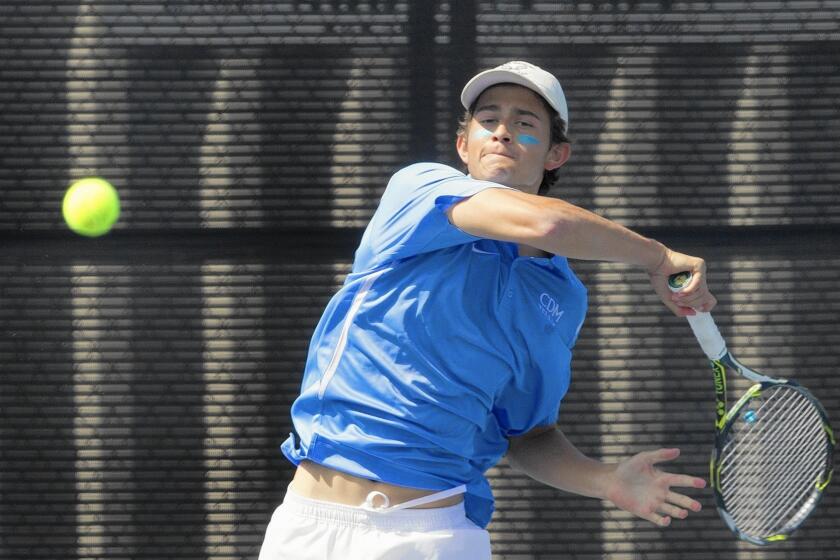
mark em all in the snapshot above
pixel 548 226
pixel 513 453
pixel 522 449
pixel 513 460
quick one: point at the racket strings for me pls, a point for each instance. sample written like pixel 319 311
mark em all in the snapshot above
pixel 765 506
pixel 770 466
pixel 748 490
pixel 754 442
pixel 768 515
pixel 745 445
pixel 768 506
pixel 749 483
pixel 751 462
pixel 774 413
pixel 738 437
pixel 766 409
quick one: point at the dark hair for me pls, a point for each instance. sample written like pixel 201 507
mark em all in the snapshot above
pixel 558 136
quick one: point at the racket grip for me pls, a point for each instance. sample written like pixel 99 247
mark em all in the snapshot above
pixel 708 335
pixel 702 324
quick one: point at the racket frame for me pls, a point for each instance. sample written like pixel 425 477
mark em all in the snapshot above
pixel 725 419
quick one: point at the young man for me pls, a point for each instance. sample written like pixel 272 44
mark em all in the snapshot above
pixel 449 347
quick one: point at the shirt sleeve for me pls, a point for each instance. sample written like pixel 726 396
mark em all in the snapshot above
pixel 533 396
pixel 411 217
pixel 514 419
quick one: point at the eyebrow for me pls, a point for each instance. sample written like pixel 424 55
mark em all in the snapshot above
pixel 518 111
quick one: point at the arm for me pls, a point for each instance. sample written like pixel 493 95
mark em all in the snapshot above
pixel 634 485
pixel 561 228
pixel 547 456
pixel 554 226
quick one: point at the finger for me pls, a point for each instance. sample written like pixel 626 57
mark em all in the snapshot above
pixel 692 299
pixel 673 511
pixel 708 304
pixel 676 307
pixel 701 302
pixel 684 502
pixel 672 305
pixel 696 300
pixel 684 311
pixel 694 284
pixel 656 519
pixel 699 270
pixel 679 311
pixel 686 481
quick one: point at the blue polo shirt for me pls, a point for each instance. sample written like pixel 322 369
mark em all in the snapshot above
pixel 438 347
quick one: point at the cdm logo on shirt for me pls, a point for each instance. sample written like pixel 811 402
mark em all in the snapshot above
pixel 550 308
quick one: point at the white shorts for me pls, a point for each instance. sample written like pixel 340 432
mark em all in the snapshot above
pixel 305 529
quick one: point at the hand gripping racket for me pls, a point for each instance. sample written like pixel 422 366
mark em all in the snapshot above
pixel 774 447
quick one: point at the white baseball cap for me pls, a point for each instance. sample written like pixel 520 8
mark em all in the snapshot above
pixel 523 74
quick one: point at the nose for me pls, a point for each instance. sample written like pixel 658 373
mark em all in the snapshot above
pixel 501 134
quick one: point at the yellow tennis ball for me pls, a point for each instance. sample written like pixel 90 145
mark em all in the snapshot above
pixel 91 206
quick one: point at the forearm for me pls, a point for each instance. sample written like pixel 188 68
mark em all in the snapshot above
pixel 555 226
pixel 551 458
pixel 580 234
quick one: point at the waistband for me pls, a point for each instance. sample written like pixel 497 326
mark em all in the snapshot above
pixel 432 519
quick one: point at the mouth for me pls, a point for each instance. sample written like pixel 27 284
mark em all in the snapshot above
pixel 499 154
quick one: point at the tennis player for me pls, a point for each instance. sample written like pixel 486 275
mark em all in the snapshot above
pixel 449 347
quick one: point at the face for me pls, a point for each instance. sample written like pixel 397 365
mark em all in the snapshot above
pixel 508 139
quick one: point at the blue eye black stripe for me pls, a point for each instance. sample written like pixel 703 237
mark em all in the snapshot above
pixel 527 139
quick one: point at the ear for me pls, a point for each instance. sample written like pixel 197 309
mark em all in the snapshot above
pixel 461 146
pixel 557 155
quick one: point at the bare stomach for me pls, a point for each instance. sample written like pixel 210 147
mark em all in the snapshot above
pixel 317 482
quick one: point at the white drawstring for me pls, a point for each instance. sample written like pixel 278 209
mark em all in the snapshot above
pixel 384 508
pixel 368 505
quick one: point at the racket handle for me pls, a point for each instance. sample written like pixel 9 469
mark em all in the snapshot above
pixel 702 324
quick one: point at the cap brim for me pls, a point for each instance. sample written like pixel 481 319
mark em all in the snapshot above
pixel 488 78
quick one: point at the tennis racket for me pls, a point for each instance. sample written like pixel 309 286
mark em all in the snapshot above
pixel 773 453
